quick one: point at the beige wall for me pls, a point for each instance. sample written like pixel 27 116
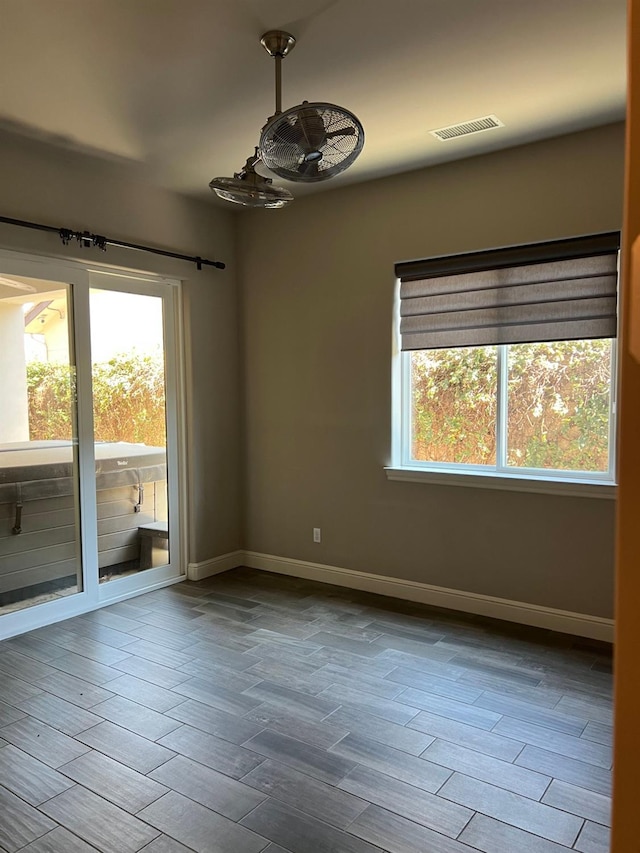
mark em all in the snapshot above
pixel 317 289
pixel 45 184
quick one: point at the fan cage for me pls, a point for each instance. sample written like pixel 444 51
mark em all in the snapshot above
pixel 311 142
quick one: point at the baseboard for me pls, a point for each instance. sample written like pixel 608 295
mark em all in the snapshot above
pixel 214 566
pixel 566 622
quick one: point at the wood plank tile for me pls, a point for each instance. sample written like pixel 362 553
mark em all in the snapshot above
pixel 215 722
pixel 572 747
pixel 60 714
pixel 388 709
pixel 520 710
pixel 209 650
pixel 354 647
pixel 391 734
pixel 471 715
pixel 206 691
pixel 111 620
pixel 491 836
pixel 439 666
pixel 9 714
pixel 579 801
pixel 366 666
pixel 206 786
pixel 226 611
pixel 29 778
pixel 121 785
pixel 200 828
pixel 590 708
pixel 469 736
pixel 311 708
pixel 301 756
pixel 59 840
pixel 399 835
pixel 165 656
pixel 20 823
pixel 593 839
pixel 36 648
pixel 164 844
pixel 101 633
pixel 124 746
pixel 416 771
pixel 598 732
pixel 430 683
pixel 514 809
pixel 21 666
pixel 89 648
pixel 74 690
pixel 222 676
pixel 146 670
pixel 110 829
pixel 42 742
pixel 322 735
pixel 578 773
pixel 300 833
pixel 416 633
pixel 85 668
pixel 13 690
pixel 145 693
pixel 517 676
pixel 360 681
pixel 234 761
pixel 305 793
pixel 136 718
pixel 163 637
pixel 488 769
pixel 412 803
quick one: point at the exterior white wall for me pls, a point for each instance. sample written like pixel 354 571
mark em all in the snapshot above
pixel 14 411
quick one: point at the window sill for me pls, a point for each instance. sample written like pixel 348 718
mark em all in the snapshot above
pixel 504 482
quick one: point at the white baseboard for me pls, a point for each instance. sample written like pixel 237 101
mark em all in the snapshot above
pixel 582 625
pixel 214 566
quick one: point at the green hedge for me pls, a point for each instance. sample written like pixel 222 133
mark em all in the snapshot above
pixel 129 400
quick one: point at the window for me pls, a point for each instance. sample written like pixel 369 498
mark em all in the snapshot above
pixel 508 363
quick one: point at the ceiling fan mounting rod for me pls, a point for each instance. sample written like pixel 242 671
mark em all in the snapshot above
pixel 278 44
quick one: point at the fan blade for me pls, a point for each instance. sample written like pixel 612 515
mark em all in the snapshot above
pixel 348 131
pixel 310 123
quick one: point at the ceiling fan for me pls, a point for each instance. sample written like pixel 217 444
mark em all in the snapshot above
pixel 307 143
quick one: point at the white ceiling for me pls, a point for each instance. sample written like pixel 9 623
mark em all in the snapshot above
pixel 181 88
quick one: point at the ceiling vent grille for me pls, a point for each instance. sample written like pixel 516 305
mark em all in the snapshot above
pixel 476 125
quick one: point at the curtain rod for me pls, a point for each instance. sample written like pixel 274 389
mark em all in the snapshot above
pixel 87 239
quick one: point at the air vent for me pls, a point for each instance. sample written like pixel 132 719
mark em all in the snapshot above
pixel 476 125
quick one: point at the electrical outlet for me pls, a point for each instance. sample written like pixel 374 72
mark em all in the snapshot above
pixel 317 534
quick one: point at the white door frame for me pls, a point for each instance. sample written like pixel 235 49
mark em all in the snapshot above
pixel 81 277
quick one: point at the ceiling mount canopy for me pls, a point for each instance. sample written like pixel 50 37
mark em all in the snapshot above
pixel 307 143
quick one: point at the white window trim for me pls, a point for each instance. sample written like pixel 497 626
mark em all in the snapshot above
pixel 403 469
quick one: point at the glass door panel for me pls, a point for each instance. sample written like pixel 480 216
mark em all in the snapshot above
pixel 40 553
pixel 130 431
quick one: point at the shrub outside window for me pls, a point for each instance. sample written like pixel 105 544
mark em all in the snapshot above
pixel 515 408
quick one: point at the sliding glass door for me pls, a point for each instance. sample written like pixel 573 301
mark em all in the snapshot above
pixel 89 486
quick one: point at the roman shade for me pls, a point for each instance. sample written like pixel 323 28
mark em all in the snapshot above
pixel 562 290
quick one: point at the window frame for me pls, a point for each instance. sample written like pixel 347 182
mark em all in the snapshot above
pixel 499 476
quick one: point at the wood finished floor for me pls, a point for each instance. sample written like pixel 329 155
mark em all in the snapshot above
pixel 253 712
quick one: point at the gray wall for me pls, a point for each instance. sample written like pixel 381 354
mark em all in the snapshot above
pixel 59 187
pixel 317 287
